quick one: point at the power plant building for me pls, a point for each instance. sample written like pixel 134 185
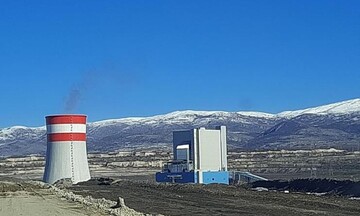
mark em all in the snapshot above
pixel 66 155
pixel 200 156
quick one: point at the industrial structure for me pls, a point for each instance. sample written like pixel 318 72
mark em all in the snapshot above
pixel 66 155
pixel 244 177
pixel 200 156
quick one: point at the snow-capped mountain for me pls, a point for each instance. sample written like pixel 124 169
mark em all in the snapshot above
pixel 336 125
pixel 179 117
pixel 345 107
pixel 21 132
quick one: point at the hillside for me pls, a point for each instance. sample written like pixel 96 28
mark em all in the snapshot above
pixel 330 126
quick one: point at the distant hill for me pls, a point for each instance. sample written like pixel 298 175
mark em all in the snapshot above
pixel 335 125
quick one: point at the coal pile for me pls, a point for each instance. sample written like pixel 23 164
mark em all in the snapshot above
pixel 327 186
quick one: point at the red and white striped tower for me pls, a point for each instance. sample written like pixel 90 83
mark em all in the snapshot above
pixel 66 155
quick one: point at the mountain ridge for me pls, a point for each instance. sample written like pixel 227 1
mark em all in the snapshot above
pixel 333 125
pixel 349 106
pixel 343 107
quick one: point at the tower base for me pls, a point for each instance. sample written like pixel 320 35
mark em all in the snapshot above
pixel 208 177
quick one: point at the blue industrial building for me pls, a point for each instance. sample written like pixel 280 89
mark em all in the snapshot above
pixel 200 156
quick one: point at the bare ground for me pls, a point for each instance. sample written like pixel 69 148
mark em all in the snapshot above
pixel 33 198
pixel 20 198
pixel 18 203
pixel 172 199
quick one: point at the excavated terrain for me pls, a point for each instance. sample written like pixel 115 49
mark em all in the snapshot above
pixel 282 164
pixel 97 196
pixel 189 199
pixel 24 197
pixel 130 175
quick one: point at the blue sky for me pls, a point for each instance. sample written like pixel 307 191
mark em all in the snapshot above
pixel 111 59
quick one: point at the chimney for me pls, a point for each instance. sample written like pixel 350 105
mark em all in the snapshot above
pixel 66 155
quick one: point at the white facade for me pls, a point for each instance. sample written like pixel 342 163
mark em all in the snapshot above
pixel 207 148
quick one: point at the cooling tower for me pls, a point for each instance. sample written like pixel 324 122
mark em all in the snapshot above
pixel 66 155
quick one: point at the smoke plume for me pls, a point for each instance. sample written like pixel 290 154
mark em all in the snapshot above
pixel 103 78
pixel 77 92
pixel 72 100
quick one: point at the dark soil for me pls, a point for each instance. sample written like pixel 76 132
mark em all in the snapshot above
pixel 190 199
pixel 328 186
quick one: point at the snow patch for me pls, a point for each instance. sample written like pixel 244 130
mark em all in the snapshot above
pixel 344 107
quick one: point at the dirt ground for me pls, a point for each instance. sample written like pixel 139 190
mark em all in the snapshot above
pixel 20 198
pixel 22 203
pixel 169 199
